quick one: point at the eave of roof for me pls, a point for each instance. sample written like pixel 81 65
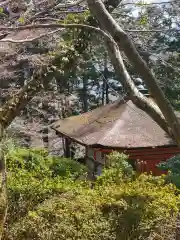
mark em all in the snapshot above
pixel 116 125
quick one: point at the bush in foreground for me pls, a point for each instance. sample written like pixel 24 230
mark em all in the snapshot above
pixel 34 176
pixel 121 206
pixel 172 165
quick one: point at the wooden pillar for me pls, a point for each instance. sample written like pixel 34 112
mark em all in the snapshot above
pixel 45 137
pixel 72 151
pixel 67 153
pixel 65 145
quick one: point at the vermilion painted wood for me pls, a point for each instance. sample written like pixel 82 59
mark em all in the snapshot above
pixel 149 157
pixel 142 150
pixel 152 156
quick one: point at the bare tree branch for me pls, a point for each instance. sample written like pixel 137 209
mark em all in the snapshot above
pixel 119 67
pixel 148 4
pixel 58 25
pixel 124 42
pixel 5 3
pixel 152 30
pixel 10 40
pixel 51 25
pixel 7 114
pixel 138 99
pixel 67 5
pixel 13 107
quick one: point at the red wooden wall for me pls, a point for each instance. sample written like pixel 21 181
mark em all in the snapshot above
pixel 147 158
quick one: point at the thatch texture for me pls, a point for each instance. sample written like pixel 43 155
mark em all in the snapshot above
pixel 118 125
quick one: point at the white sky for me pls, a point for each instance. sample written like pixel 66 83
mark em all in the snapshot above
pixel 136 11
pixel 149 1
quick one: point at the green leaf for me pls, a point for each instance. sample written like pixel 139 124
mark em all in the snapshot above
pixel 70 16
pixel 1 10
pixel 143 20
pixel 21 20
pixel 141 3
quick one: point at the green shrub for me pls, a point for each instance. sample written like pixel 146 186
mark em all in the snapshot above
pixel 172 165
pixel 131 210
pixel 64 167
pixel 34 176
pixel 117 169
pixel 121 206
pixel 39 162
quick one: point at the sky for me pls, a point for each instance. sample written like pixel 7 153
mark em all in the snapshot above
pixel 150 1
pixel 145 1
pixel 136 11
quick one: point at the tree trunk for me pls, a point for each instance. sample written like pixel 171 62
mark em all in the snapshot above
pixel 138 98
pixel 13 107
pixel 7 114
pixel 107 93
pixel 3 187
pixel 106 79
pixel 108 24
pixel 45 137
pixel 103 93
pixel 85 94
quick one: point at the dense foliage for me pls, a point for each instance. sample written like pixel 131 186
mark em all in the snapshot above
pixel 172 165
pixel 33 176
pixel 47 199
pixel 46 202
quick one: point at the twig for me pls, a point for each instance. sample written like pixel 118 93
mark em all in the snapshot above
pixel 67 5
pixel 29 39
pixel 148 4
pixel 61 25
pixel 5 3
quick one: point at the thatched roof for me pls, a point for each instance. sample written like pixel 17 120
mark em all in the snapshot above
pixel 118 125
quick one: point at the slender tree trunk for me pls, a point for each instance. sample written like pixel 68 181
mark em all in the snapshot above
pixel 107 93
pixel 85 94
pixel 103 92
pixel 106 79
pixel 108 24
pixel 3 187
